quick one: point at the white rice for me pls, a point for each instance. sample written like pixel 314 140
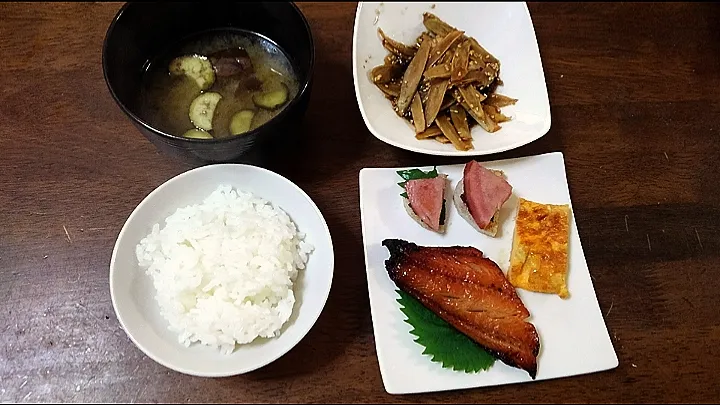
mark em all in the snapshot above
pixel 224 270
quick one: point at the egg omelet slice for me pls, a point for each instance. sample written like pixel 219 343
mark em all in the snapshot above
pixel 539 258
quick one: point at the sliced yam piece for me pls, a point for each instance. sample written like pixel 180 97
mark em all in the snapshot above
pixel 481 118
pixel 478 114
pixel 418 116
pixel 474 63
pixel 448 102
pixel 390 89
pixel 460 62
pixel 438 72
pixel 499 100
pixel 397 48
pixel 481 52
pixel 441 139
pixel 443 73
pixel 412 77
pixel 436 96
pixel 441 28
pixel 425 36
pixel 478 77
pixel 471 100
pixel 459 120
pixel 492 70
pixel 428 40
pixel 472 96
pixel 495 114
pixel 430 132
pixel 443 45
pixel 436 25
pixel 490 124
pixel 443 122
pixel 422 37
pixel 447 58
pixel 392 59
pixel 383 74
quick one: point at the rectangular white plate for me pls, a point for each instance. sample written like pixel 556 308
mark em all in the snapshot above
pixel 573 336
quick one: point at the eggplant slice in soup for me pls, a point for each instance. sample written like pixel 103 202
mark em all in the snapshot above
pixel 217 85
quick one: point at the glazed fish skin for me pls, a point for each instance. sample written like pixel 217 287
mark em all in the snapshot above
pixel 471 293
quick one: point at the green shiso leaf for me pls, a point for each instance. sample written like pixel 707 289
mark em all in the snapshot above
pixel 442 342
pixel 414 174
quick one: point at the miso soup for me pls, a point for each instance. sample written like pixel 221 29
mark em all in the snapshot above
pixel 217 85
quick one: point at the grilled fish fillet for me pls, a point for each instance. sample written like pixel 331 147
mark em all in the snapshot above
pixel 471 293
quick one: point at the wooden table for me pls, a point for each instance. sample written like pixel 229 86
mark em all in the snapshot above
pixel 635 99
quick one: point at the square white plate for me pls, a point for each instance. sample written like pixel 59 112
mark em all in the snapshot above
pixel 573 336
pixel 504 29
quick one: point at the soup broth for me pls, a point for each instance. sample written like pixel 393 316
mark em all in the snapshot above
pixel 233 81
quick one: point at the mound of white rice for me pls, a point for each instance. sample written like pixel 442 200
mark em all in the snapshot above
pixel 224 269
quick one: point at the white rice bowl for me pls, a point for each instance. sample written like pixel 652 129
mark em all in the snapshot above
pixel 224 269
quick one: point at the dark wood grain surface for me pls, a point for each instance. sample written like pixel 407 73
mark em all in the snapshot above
pixel 635 100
